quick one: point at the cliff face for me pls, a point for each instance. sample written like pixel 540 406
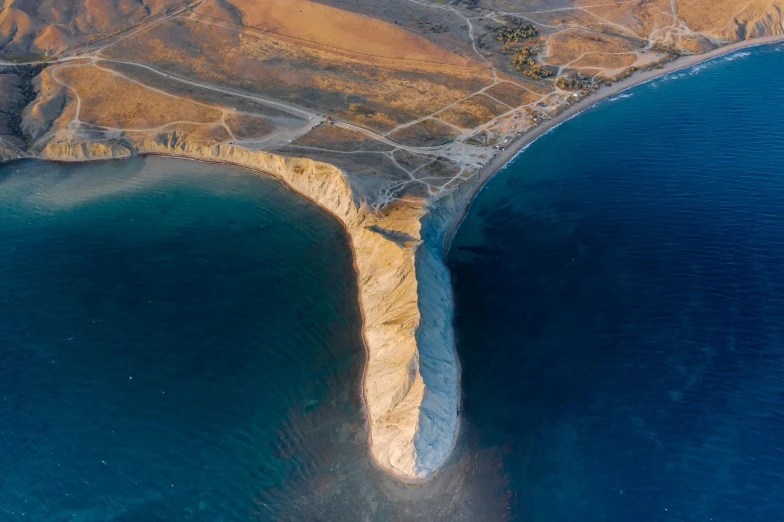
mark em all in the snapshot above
pixel 411 373
pixel 168 82
pixel 83 151
pixel 757 19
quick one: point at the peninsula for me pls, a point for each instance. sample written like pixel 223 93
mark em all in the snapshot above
pixel 388 114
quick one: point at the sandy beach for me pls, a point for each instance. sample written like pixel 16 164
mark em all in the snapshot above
pixel 522 142
pixel 604 92
pixel 310 191
pixel 496 164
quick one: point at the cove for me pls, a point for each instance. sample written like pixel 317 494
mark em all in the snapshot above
pixel 619 295
pixel 181 341
pixel 178 339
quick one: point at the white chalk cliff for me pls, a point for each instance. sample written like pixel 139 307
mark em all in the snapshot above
pixel 411 376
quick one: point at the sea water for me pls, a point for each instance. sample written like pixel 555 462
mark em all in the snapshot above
pixel 180 341
pixel 169 334
pixel 620 305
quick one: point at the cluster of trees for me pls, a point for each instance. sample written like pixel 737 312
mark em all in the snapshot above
pixel 625 74
pixel 628 72
pixel 537 72
pixel 518 32
pixel 668 48
pixel 524 61
pixel 570 83
pixel 523 57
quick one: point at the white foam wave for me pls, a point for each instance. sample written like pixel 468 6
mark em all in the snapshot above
pixel 621 96
pixel 734 56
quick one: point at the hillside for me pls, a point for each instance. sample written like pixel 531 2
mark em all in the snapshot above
pixel 388 114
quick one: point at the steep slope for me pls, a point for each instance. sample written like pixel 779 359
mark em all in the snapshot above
pixel 422 98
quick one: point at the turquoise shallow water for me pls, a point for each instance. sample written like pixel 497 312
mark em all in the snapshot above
pixel 179 341
pixel 620 295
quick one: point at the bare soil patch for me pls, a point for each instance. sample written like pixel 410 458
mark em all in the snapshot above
pixel 425 133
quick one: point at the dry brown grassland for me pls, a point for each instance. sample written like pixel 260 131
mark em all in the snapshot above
pixel 403 79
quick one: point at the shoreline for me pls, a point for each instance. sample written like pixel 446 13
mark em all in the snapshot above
pixel 519 144
pixel 451 219
pixel 388 471
pixel 363 321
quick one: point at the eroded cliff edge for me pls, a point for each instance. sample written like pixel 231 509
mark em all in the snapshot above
pixel 445 129
pixel 411 376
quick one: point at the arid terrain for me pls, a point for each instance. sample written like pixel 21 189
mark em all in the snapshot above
pixel 388 114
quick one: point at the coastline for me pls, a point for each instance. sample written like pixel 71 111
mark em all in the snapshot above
pixel 635 212
pixel 438 230
pixel 444 218
pixel 519 144
pixel 368 258
pixel 355 222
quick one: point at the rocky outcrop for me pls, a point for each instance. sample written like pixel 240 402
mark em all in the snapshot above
pixel 411 374
pixel 757 19
pixel 82 151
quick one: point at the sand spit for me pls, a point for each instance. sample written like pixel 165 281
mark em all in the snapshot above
pixel 411 382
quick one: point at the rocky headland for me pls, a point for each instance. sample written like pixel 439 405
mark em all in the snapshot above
pixel 419 121
pixel 411 374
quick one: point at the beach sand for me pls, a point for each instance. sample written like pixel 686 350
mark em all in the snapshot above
pixel 519 144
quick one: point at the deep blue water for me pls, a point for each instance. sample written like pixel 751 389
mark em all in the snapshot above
pixel 180 341
pixel 168 331
pixel 620 305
